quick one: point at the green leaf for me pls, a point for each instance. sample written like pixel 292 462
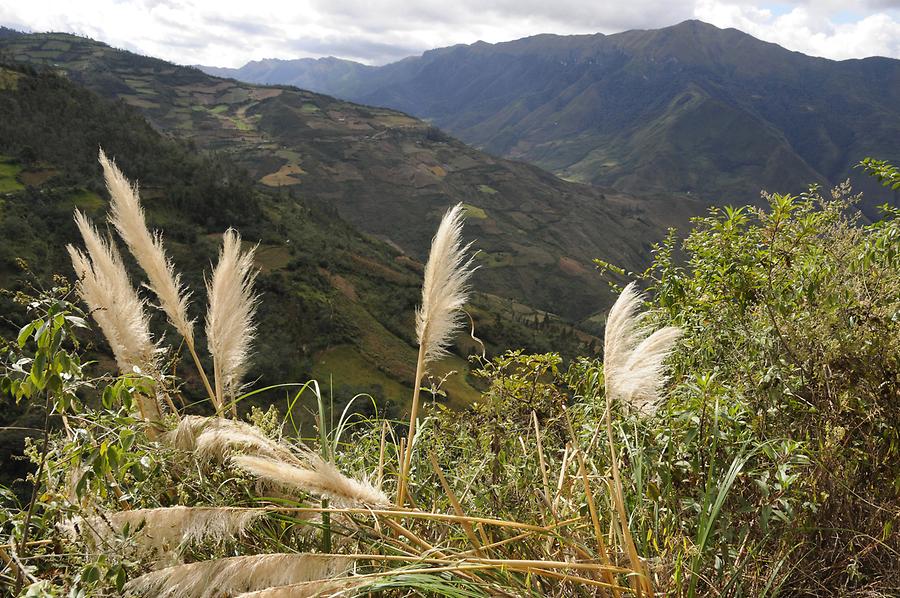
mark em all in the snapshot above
pixel 90 574
pixel 126 438
pixel 38 370
pixel 77 321
pixel 25 332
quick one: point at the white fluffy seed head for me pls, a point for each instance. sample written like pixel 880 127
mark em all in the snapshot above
pixel 445 286
pixel 236 575
pixel 170 529
pixel 230 328
pixel 315 476
pixel 634 358
pixel 216 439
pixel 114 303
pixel 127 216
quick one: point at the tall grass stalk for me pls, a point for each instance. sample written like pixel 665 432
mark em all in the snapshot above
pixel 230 326
pixel 633 374
pixel 444 293
pixel 127 216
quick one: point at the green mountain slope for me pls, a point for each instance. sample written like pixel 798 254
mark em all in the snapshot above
pixel 688 109
pixel 385 172
pixel 325 287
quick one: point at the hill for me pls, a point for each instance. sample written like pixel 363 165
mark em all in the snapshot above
pixel 386 173
pixel 314 74
pixel 290 168
pixel 689 108
pixel 331 294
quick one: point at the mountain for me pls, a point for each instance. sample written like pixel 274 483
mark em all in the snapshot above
pixel 314 74
pixel 330 294
pixel 385 172
pixel 691 108
pixel 302 174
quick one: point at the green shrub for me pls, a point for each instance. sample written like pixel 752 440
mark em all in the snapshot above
pixel 791 360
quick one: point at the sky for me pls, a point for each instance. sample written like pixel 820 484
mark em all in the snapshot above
pixel 232 32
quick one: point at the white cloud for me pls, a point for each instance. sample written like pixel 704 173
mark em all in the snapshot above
pixel 231 32
pixel 824 28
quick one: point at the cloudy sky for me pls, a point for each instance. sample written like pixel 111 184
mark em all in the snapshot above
pixel 232 32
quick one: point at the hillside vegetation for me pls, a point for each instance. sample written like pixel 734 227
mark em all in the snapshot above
pixel 739 438
pixel 335 301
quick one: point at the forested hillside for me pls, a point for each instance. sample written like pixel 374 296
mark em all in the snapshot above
pixel 336 301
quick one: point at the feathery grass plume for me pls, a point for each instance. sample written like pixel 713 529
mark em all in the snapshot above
pixel 171 528
pixel 216 439
pixel 317 476
pixel 633 373
pixel 114 303
pixel 104 286
pixel 235 575
pixel 633 358
pixel 310 589
pixel 230 329
pixel 444 289
pixel 444 293
pixel 127 216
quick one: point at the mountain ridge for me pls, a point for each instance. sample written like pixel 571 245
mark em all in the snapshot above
pixel 689 109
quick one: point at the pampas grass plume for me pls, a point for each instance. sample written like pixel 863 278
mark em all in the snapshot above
pixel 127 216
pixel 633 356
pixel 230 328
pixel 444 293
pixel 235 575
pixel 444 288
pixel 216 439
pixel 114 303
pixel 317 476
pixel 167 528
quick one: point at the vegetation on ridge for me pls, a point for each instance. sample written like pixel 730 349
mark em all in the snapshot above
pixel 386 173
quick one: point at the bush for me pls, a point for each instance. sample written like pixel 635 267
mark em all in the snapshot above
pixel 790 360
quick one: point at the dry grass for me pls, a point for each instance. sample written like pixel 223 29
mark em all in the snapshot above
pixel 236 575
pixel 317 477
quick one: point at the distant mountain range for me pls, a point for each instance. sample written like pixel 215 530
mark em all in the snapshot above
pixel 690 109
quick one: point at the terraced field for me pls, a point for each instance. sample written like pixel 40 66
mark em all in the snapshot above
pixel 9 172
